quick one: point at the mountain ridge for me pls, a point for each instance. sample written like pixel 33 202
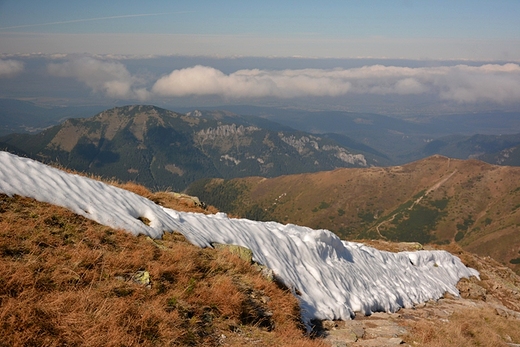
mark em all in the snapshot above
pixel 161 148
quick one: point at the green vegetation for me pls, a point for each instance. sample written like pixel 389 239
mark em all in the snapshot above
pixel 256 212
pixel 366 216
pixel 223 194
pixel 170 151
pixel 323 205
pixel 466 224
pixel 440 204
pixel 413 225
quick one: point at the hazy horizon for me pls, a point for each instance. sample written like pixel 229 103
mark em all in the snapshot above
pixel 403 57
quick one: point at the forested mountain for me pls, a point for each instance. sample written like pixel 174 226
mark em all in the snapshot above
pixel 162 149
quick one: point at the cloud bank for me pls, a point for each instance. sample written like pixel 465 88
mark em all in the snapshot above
pixel 10 67
pixel 461 83
pixel 108 77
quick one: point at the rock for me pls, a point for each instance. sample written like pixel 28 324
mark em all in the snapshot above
pixel 359 331
pixel 387 330
pixel 506 313
pixel 189 200
pixel 242 252
pixel 409 246
pixel 156 243
pixel 395 341
pixel 142 277
pixel 266 272
pixel 380 342
pixel 341 336
pixel 328 325
pixel 470 290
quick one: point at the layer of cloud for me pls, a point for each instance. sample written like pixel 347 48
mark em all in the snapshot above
pixel 10 67
pixel 108 77
pixel 461 83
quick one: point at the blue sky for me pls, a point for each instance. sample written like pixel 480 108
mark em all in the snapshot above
pixel 473 30
pixel 401 56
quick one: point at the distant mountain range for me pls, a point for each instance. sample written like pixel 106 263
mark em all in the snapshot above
pixel 494 149
pixel 401 140
pixel 438 199
pixel 490 136
pixel 162 149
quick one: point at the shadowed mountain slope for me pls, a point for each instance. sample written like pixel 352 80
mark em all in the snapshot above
pixel 162 149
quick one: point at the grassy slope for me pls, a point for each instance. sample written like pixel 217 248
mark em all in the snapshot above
pixel 65 280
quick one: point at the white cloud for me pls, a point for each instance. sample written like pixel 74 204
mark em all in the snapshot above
pixel 10 67
pixel 491 82
pixel 203 80
pixel 108 77
pixel 461 83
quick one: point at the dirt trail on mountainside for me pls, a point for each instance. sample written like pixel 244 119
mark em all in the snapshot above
pixel 418 200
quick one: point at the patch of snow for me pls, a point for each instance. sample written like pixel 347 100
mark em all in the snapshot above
pixel 230 158
pixel 195 113
pixel 333 279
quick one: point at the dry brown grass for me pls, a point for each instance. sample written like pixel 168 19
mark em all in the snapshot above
pixel 67 281
pixel 467 327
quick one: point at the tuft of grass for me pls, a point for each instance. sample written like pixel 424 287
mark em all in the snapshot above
pixel 466 327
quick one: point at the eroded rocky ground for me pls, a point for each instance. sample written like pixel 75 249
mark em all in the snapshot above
pixel 494 299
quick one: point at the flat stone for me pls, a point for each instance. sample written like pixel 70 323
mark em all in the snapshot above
pixel 379 342
pixel 395 341
pixel 242 252
pixel 387 331
pixel 342 335
pixel 358 330
pixel 328 325
pixel 409 246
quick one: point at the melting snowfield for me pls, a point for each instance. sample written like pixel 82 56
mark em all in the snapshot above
pixel 333 279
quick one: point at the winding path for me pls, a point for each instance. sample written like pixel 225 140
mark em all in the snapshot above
pixel 431 189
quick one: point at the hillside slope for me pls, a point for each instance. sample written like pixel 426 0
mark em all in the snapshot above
pixel 432 200
pixel 162 149
pixel 67 280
